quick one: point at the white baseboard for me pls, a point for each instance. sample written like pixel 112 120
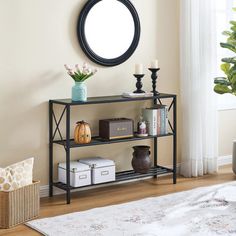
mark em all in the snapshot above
pixel 225 160
pixel 44 190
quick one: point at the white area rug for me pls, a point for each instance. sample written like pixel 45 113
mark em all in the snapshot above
pixel 207 211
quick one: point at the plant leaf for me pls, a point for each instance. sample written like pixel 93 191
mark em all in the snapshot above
pixel 225 68
pixel 222 81
pixel 228 46
pixel 227 33
pixel 229 60
pixel 87 76
pixel 72 76
pixel 233 80
pixel 232 22
pixel 221 89
pixel 231 41
pixel 78 72
pixel 233 28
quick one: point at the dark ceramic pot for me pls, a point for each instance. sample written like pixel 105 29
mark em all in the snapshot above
pixel 141 159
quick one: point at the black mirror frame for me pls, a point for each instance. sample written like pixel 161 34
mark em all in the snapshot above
pixel 85 46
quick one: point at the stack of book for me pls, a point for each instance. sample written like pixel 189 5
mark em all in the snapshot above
pixel 157 118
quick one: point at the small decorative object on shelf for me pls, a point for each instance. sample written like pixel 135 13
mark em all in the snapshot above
pixel 82 133
pixel 154 69
pixel 141 161
pixel 79 75
pixel 139 83
pixel 142 128
pixel 138 74
pixel 154 77
pixel 117 128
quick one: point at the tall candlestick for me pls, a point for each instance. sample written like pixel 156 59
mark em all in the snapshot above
pixel 154 77
pixel 138 69
pixel 154 64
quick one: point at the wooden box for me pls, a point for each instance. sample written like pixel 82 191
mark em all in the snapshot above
pixel 19 206
pixel 116 128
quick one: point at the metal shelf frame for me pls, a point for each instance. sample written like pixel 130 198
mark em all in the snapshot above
pixel 68 143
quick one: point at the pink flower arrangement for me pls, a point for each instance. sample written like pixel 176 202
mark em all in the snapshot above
pixel 80 74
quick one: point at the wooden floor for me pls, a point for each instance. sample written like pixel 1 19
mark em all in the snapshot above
pixel 119 194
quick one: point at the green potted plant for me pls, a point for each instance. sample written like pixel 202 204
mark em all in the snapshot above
pixel 227 83
pixel 79 75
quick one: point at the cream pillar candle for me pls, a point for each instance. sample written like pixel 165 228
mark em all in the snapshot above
pixel 154 64
pixel 138 69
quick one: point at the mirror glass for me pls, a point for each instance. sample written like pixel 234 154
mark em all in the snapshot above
pixel 109 29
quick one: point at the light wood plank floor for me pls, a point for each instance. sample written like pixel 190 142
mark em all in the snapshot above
pixel 119 194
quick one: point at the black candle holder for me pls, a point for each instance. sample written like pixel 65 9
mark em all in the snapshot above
pixel 154 77
pixel 139 83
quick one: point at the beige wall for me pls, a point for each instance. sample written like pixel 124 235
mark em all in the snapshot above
pixel 227 131
pixel 37 38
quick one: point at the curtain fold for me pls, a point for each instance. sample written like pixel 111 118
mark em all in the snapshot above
pixel 198 101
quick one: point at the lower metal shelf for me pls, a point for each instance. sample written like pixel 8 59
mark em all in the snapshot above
pixel 124 176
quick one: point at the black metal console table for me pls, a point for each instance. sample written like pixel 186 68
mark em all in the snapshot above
pixel 68 143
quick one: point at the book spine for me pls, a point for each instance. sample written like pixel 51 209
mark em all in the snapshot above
pixel 158 121
pixel 163 121
pixel 154 120
pixel 166 119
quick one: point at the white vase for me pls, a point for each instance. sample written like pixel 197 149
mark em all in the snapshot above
pixel 234 156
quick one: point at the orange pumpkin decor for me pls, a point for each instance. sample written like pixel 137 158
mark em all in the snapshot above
pixel 82 132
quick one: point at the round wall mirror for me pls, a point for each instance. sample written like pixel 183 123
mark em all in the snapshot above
pixel 108 31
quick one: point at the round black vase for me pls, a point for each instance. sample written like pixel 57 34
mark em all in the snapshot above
pixel 141 161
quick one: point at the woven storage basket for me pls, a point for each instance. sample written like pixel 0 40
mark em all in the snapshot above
pixel 19 206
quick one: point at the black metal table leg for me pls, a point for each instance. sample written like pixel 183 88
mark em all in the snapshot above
pixel 50 149
pixel 155 154
pixel 174 138
pixel 68 197
pixel 155 146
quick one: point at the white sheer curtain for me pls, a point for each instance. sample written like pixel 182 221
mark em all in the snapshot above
pixel 198 103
